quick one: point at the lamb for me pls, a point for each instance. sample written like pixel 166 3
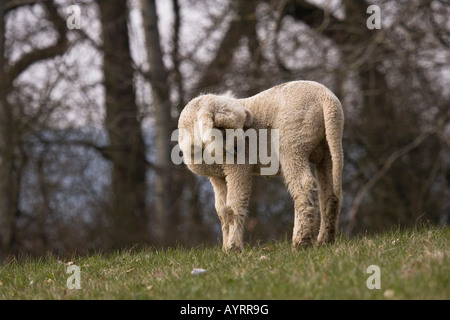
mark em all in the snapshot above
pixel 309 119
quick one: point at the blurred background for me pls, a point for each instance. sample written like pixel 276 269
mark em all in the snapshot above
pixel 91 91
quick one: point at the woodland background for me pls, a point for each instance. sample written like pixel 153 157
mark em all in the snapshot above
pixel 86 115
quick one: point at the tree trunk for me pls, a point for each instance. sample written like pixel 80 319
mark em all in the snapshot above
pixel 128 186
pixel 170 180
pixel 11 128
pixel 166 209
pixel 6 212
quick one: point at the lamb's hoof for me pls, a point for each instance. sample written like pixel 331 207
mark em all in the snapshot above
pixel 233 248
pixel 303 243
pixel 326 238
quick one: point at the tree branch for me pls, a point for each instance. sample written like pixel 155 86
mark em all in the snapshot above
pixel 242 25
pixel 178 78
pixel 41 54
pixel 379 174
pixel 14 4
pixel 316 18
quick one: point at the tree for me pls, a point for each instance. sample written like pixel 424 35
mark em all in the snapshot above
pixel 166 211
pixel 126 147
pixel 6 227
pixel 12 125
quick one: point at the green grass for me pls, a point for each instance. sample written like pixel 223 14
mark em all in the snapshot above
pixel 414 264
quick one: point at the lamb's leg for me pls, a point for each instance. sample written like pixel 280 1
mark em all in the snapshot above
pixel 329 201
pixel 303 189
pixel 220 202
pixel 239 184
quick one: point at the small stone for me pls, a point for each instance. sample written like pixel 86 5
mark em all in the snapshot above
pixel 197 271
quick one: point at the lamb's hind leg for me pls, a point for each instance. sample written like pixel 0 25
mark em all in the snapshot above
pixel 220 202
pixel 329 202
pixel 303 189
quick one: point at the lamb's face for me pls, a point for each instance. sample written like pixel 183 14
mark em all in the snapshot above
pixel 204 114
pixel 221 112
pixel 229 114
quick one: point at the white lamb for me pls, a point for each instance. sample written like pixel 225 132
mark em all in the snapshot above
pixel 309 119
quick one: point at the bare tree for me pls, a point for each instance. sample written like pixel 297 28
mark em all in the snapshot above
pixel 6 227
pixel 165 209
pixel 126 149
pixel 12 126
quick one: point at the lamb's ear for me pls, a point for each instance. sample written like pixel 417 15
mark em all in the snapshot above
pixel 205 125
pixel 248 118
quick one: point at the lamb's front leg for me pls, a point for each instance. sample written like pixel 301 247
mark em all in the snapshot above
pixel 239 187
pixel 220 203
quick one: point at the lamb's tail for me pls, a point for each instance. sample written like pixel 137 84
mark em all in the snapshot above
pixel 334 125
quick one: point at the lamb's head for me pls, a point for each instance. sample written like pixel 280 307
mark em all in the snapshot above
pixel 207 112
pixel 221 112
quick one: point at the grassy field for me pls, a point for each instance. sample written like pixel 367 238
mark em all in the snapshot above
pixel 413 264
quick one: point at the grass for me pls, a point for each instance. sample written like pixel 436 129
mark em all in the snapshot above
pixel 414 264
